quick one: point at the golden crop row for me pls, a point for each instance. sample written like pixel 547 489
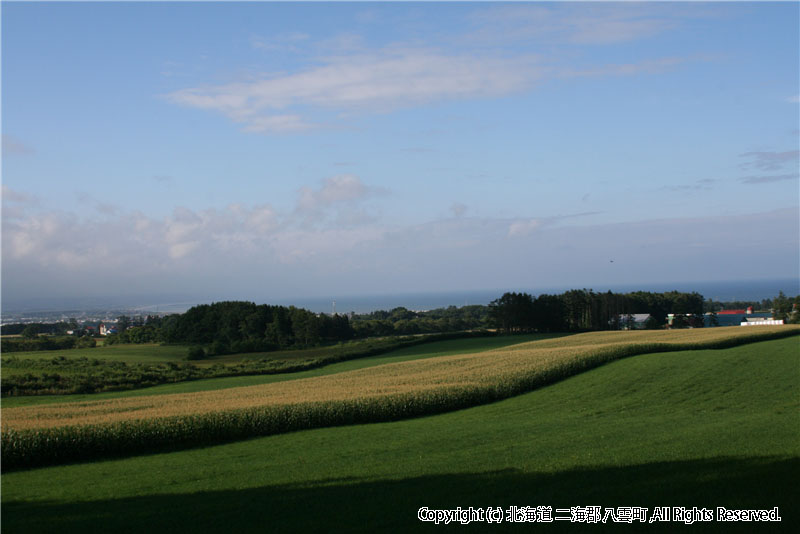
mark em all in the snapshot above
pixel 506 371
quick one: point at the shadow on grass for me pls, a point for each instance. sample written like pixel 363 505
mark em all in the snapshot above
pixel 392 505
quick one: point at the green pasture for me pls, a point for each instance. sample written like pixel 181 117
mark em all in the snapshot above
pixel 426 350
pixel 157 353
pixel 143 353
pixel 693 428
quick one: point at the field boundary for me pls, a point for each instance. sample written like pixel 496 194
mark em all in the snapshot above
pixel 85 376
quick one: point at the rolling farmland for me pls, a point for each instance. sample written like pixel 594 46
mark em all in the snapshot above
pixel 67 431
pixel 687 428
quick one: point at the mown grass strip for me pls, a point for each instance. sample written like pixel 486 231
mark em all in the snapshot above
pixel 399 391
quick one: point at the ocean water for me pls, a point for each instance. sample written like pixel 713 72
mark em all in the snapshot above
pixel 753 290
pixel 725 291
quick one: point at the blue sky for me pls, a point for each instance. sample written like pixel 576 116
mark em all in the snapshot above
pixel 285 149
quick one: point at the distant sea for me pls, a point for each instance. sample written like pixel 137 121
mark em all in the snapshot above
pixel 749 290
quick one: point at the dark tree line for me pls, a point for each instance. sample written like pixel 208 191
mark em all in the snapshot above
pixel 402 321
pixel 23 344
pixel 54 329
pixel 757 305
pixel 234 326
pixel 246 327
pixel 582 309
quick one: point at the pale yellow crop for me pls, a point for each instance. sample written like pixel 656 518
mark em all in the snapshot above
pixel 495 369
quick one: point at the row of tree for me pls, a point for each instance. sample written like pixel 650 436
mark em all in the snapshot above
pixel 402 321
pixel 582 309
pixel 234 326
pixel 245 327
pixel 31 330
pixel 28 344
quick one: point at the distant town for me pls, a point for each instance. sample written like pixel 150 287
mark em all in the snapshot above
pixel 82 317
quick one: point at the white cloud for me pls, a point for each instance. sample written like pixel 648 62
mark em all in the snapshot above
pixel 794 99
pixel 523 228
pixel 181 225
pixel 382 81
pixel 263 219
pixel 134 242
pixel 351 77
pixel 342 188
pixel 252 249
pixel 338 202
pixel 179 250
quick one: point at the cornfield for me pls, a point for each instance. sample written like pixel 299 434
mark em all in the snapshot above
pixel 57 433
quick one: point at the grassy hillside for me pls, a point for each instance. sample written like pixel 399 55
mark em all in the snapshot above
pixel 56 433
pixel 691 428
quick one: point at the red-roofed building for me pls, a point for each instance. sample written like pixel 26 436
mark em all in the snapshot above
pixel 736 312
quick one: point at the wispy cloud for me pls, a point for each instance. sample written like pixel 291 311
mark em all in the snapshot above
pixel 12 145
pixel 275 123
pixel 525 227
pixel 104 208
pixel 651 66
pixel 768 179
pixel 379 82
pixel 383 82
pixel 10 195
pixel 343 76
pixel 769 161
pixel 705 184
pixel 585 24
pixel 283 42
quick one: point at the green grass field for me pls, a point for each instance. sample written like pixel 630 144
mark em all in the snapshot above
pixel 144 353
pixel 426 350
pixel 156 353
pixel 693 428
